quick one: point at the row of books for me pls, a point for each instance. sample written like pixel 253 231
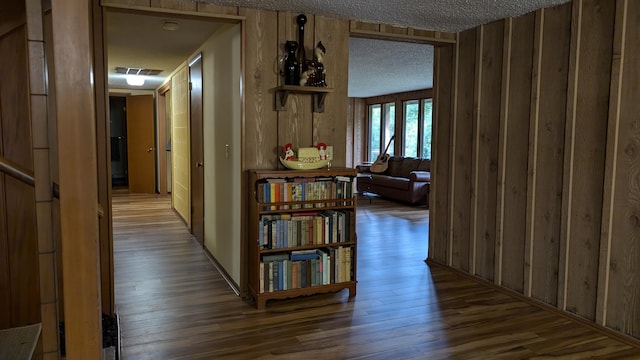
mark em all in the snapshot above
pixel 304 189
pixel 305 268
pixel 306 228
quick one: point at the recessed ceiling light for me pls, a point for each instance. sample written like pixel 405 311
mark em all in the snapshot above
pixel 170 25
pixel 135 80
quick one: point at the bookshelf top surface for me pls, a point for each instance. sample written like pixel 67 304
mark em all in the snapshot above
pixel 304 173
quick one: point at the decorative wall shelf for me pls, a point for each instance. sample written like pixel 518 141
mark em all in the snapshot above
pixel 319 93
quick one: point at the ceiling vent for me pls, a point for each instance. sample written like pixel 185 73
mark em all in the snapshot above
pixel 137 71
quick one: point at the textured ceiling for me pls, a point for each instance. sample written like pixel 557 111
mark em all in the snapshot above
pixel 135 40
pixel 441 15
pixel 376 67
pixel 379 67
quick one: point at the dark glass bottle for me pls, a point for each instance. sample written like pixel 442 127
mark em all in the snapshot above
pixel 291 65
pixel 302 59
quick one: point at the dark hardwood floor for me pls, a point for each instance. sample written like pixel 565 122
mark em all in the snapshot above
pixel 173 304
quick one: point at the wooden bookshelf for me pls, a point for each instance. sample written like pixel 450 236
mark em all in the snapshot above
pixel 302 238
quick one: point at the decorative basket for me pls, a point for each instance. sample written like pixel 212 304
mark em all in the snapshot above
pixel 299 165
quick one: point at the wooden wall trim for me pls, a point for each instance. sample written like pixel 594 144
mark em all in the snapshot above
pixel 611 167
pixel 381 35
pixel 569 154
pixel 75 100
pixel 475 154
pixel 502 150
pixel 171 11
pixel 533 153
pixel 452 158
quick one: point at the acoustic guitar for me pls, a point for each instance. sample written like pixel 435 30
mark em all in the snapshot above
pixel 382 162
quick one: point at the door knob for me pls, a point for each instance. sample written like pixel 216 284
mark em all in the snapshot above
pixel 149 149
pixel 199 164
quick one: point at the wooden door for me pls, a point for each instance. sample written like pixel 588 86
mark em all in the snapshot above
pixel 140 141
pixel 197 150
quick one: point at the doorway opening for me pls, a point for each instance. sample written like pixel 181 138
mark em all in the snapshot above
pixel 118 131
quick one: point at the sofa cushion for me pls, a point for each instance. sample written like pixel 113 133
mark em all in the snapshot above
pixel 425 165
pixel 391 182
pixel 407 166
pixel 393 165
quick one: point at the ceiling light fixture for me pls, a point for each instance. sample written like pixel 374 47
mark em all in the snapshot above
pixel 135 80
pixel 170 25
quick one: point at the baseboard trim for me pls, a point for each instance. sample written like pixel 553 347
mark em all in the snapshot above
pixel 232 284
pixel 627 339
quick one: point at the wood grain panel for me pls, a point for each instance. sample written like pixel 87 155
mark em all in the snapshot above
pixel 23 253
pixel 295 122
pixel 441 152
pixel 12 15
pixel 486 140
pixel 175 4
pixel 359 25
pixel 5 278
pixel 514 150
pixel 145 3
pixel 622 278
pixel 104 162
pixel 555 34
pixel 73 55
pixel 587 105
pixel 14 92
pixel 390 29
pixel 330 126
pixel 462 154
pixel 216 9
pixel 300 104
pixel 260 138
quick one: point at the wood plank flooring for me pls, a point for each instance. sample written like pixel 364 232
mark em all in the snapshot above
pixel 173 304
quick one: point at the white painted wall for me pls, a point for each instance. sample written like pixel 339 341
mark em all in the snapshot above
pixel 222 162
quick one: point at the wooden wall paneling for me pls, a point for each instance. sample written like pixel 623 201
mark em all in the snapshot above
pixel 489 80
pixel 5 278
pixel 295 122
pixel 390 29
pixel 442 116
pixel 104 161
pixel 216 9
pixel 462 151
pixel 359 25
pixel 73 54
pixel 23 253
pixel 585 139
pixel 175 4
pixel 301 104
pixel 12 15
pixel 546 192
pixel 619 293
pixel 14 90
pixel 53 157
pixel 330 126
pixel 19 199
pixel 260 138
pixel 358 113
pixel 514 151
pixel 144 3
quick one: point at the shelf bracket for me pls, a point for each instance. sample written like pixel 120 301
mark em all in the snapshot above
pixel 318 102
pixel 281 99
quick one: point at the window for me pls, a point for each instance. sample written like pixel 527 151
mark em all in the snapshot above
pixel 411 121
pixel 414 124
pixel 382 123
pixel 427 126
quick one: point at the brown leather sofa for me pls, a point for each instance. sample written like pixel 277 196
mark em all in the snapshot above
pixel 406 180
